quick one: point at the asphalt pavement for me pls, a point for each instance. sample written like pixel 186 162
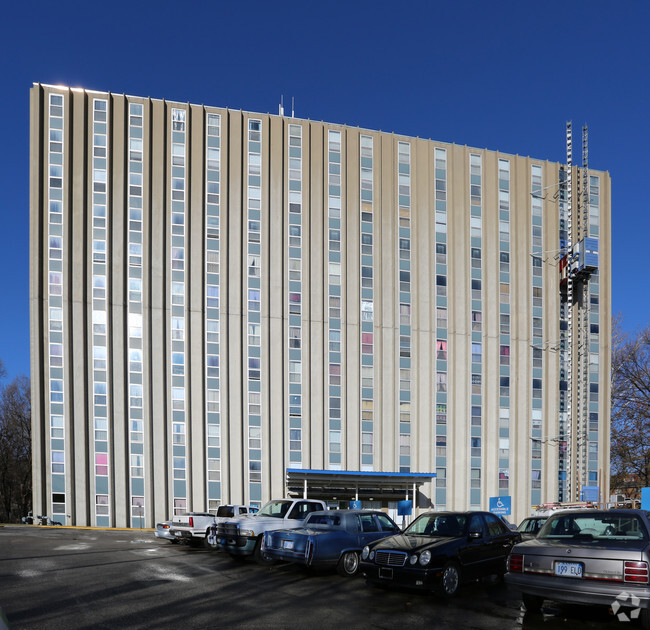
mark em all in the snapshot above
pixel 55 578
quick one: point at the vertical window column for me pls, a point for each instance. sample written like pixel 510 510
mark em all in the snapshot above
pixel 254 310
pixel 504 328
pixel 101 442
pixel 334 301
pixel 55 393
pixel 594 337
pixel 294 321
pixel 212 306
pixel 476 240
pixel 537 334
pixel 367 304
pixel 134 309
pixel 405 303
pixel 442 349
pixel 178 287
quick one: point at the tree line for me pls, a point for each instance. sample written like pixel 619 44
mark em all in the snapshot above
pixel 630 413
pixel 15 448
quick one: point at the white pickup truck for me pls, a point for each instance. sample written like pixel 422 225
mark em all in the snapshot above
pixel 194 527
pixel 243 536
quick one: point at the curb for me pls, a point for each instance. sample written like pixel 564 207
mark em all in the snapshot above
pixel 104 529
pixel 101 529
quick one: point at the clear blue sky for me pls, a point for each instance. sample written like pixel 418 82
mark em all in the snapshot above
pixel 502 75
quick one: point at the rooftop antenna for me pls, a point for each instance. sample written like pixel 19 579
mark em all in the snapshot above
pixel 281 112
pixel 293 113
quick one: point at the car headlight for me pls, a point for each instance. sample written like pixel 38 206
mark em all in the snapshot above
pixel 425 558
pixel 365 553
pixel 413 559
pixel 372 555
pixel 246 532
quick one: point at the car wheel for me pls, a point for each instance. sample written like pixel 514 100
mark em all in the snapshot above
pixel 260 558
pixel 503 569
pixel 533 603
pixel 206 543
pixel 449 580
pixel 644 617
pixel 348 564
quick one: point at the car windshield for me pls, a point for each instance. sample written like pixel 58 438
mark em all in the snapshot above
pixel 590 526
pixel 276 509
pixel 438 525
pixel 531 525
pixel 323 519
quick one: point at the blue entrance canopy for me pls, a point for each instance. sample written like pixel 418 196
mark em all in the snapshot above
pixel 342 484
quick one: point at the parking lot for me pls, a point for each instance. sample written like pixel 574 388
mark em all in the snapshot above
pixel 62 578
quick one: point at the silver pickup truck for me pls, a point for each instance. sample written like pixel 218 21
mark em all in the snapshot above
pixel 243 536
pixel 194 527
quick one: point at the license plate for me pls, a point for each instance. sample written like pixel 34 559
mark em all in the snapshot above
pixel 287 544
pixel 568 569
pixel 386 574
pixel 178 534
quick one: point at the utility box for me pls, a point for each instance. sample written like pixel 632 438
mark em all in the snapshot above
pixel 587 250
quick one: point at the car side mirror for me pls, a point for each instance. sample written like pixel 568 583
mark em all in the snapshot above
pixel 475 535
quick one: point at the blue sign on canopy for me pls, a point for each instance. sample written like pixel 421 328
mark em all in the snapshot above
pixel 500 506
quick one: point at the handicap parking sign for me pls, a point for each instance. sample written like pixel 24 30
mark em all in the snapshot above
pixel 404 508
pixel 500 505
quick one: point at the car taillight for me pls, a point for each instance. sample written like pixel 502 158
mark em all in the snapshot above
pixel 191 521
pixel 516 563
pixel 635 572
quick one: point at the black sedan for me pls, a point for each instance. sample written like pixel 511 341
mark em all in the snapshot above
pixel 439 551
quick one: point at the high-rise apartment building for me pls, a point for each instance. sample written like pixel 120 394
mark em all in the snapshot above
pixel 227 307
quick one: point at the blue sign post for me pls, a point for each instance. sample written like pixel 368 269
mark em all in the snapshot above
pixel 501 506
pixel 355 505
pixel 645 498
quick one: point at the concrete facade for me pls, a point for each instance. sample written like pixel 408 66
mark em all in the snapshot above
pixel 218 296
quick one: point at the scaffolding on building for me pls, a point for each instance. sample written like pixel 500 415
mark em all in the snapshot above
pixel 577 265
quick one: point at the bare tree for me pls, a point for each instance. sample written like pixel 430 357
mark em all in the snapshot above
pixel 15 450
pixel 630 437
